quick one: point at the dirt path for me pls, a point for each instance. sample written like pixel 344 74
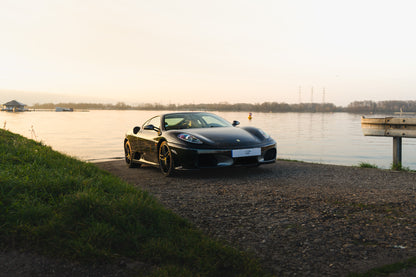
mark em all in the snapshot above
pixel 300 219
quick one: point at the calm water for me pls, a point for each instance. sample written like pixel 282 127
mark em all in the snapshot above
pixel 314 137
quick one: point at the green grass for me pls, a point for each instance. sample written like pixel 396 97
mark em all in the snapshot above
pixel 400 167
pixel 367 165
pixel 59 206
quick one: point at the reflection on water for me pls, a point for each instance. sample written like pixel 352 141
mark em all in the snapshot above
pixel 313 137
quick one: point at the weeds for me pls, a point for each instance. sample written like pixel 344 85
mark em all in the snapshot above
pixel 367 165
pixel 399 167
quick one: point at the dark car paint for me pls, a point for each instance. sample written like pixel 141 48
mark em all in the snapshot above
pixel 145 142
pixel 224 137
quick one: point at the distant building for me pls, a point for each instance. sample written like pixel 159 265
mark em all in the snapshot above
pixel 14 106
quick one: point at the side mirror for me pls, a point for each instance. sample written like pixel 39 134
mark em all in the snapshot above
pixel 136 130
pixel 152 128
pixel 235 123
pixel 149 127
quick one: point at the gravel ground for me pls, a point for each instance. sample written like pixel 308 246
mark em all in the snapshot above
pixel 300 219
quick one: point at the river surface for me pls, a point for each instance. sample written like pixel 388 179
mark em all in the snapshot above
pixel 330 138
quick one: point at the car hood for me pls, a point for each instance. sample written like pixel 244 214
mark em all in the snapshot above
pixel 225 136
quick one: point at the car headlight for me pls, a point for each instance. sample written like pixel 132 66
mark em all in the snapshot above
pixel 189 138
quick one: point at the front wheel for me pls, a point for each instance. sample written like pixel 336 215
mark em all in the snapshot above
pixel 165 159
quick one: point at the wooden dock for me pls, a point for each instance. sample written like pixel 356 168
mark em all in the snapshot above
pixel 389 127
pixel 396 127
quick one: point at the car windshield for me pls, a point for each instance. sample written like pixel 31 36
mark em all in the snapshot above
pixel 180 121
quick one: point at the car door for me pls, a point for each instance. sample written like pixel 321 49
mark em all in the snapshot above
pixel 149 139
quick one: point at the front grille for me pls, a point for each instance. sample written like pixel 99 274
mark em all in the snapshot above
pixel 207 160
pixel 246 161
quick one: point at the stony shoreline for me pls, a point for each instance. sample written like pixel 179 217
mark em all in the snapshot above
pixel 300 219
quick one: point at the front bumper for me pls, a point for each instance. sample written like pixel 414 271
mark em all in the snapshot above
pixel 187 158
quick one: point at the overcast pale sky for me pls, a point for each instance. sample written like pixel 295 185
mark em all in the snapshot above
pixel 191 51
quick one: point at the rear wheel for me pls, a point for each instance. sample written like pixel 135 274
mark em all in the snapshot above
pixel 128 155
pixel 165 159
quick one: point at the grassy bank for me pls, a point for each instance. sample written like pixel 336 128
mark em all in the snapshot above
pixel 60 206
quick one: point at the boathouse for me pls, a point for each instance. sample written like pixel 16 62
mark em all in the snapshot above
pixel 14 106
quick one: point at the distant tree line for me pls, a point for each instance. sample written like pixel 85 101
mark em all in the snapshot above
pixel 381 106
pixel 223 106
pixel 82 106
pixel 274 107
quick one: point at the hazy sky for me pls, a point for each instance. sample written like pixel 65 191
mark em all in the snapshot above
pixel 191 51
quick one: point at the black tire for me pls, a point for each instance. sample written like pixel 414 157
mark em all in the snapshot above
pixel 128 155
pixel 165 159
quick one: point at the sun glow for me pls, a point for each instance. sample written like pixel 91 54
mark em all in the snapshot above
pixel 190 51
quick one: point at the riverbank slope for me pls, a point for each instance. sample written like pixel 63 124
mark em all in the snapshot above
pixel 63 217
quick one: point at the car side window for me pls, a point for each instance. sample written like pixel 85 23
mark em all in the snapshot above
pixel 155 121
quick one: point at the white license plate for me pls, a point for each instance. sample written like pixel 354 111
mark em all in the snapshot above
pixel 246 152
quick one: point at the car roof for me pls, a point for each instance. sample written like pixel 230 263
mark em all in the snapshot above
pixel 186 112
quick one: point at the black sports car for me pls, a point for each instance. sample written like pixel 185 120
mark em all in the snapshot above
pixel 191 140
